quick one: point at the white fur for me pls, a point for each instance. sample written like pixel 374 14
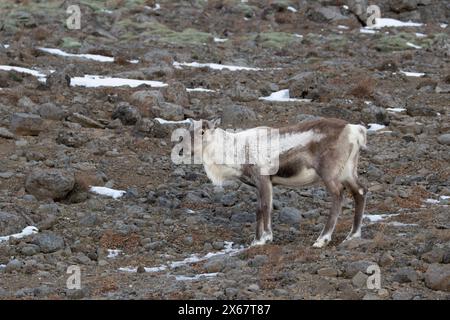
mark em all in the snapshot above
pixel 322 241
pixel 266 236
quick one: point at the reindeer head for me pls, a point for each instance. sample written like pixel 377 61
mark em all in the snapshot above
pixel 201 131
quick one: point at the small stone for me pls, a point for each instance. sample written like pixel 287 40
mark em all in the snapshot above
pixel 328 272
pixel 27 124
pixel 442 139
pixel 13 265
pixel 51 111
pixel 386 259
pixel 405 275
pixel 49 184
pixel 5 133
pixel 85 121
pixel 48 242
pixel 436 255
pixel 253 287
pixel 128 114
pixel 360 280
pixel 290 215
pixel 437 277
pixel 218 245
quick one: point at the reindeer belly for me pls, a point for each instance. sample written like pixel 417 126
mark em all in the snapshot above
pixel 303 177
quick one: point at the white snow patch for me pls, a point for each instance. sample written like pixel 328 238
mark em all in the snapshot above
pixel 379 217
pixel 412 45
pixel 401 224
pixel 196 277
pixel 199 90
pixel 364 30
pixel 25 232
pixel 6 46
pixel 163 121
pixel 420 35
pixel 41 76
pixel 92 81
pixel 395 109
pixel 156 8
pixel 213 66
pixel 298 35
pixel 292 9
pixel 443 25
pixel 375 127
pixel 388 22
pixel 104 191
pixel 95 57
pixel 282 96
pixel 343 27
pixel 112 253
pixel 193 258
pixel 345 7
pixel 413 74
pixel 220 39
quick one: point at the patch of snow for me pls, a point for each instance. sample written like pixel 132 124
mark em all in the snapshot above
pixel 343 27
pixel 163 121
pixel 104 191
pixel 196 277
pixel 298 35
pixel 92 81
pixel 199 90
pixel 364 30
pixel 388 22
pixel 25 232
pixel 412 74
pixel 112 253
pixel 95 57
pixel 401 224
pixel 412 45
pixel 443 25
pixel 375 127
pixel 213 66
pixel 395 109
pixel 379 217
pixel 282 96
pixel 41 77
pixel 345 7
pixel 420 35
pixel 444 197
pixel 193 258
pixel 156 8
pixel 292 9
pixel 220 39
pixel 6 46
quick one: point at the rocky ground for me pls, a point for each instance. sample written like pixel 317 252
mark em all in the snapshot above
pixel 58 140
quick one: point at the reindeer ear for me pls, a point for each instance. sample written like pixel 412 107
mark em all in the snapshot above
pixel 213 123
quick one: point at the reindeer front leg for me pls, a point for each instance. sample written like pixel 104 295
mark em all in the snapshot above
pixel 264 211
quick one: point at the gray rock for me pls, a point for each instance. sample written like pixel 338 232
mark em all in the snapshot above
pixel 418 110
pixel 325 14
pixel 442 139
pixel 85 121
pixel 128 114
pixel 51 111
pixel 290 215
pixel 328 272
pixel 27 124
pixel 229 199
pixel 437 277
pixel 235 115
pixel 27 105
pixel 258 260
pixel 30 250
pixel 405 275
pixel 13 265
pixel 10 223
pixel 176 93
pixel 48 242
pixel 49 184
pixel 242 217
pixel 5 133
pixel 357 266
pixel 147 98
pixel 71 138
pixel 443 88
pixel 435 255
pixel 168 111
pixel 359 280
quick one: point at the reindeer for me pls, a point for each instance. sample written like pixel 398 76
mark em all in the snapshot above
pixel 325 150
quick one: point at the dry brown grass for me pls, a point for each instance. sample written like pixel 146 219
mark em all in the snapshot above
pixel 112 240
pixel 364 88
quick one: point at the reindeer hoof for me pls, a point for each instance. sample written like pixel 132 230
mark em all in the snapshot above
pixel 351 236
pixel 266 236
pixel 321 242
